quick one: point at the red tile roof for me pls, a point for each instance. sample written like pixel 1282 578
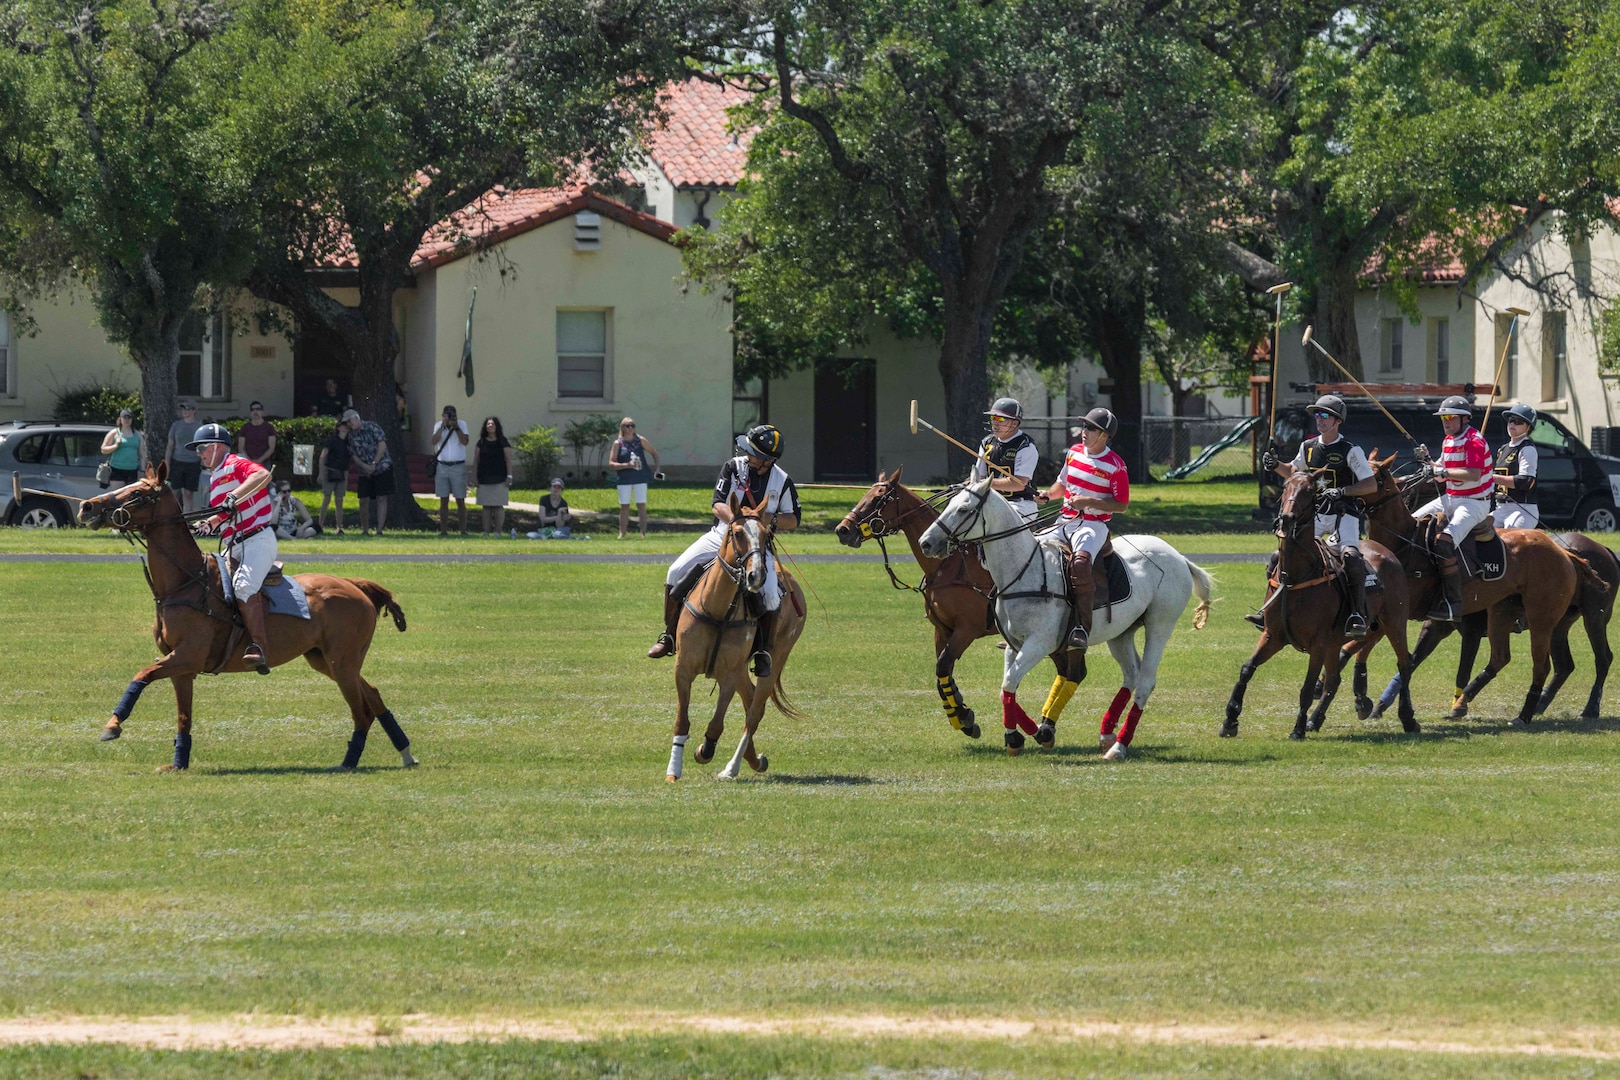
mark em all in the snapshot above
pixel 1436 263
pixel 694 147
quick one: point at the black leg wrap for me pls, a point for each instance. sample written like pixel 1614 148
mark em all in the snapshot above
pixel 126 704
pixel 182 750
pixel 396 734
pixel 357 746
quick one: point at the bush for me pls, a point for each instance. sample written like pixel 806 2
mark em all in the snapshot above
pixel 536 454
pixel 95 402
pixel 589 436
pixel 314 430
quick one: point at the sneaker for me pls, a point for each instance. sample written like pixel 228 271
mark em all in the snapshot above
pixel 1115 752
pixel 531 536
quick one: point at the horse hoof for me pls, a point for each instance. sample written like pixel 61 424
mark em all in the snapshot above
pixel 705 751
pixel 111 732
pixel 1520 722
pixel 1411 727
pixel 1115 753
pixel 1105 743
pixel 764 763
pixel 171 768
pixel 341 768
pixel 406 760
pixel 1378 711
pixel 972 731
pixel 1229 729
pixel 1364 709
pixel 1046 735
pixel 671 778
pixel 1589 714
pixel 1457 713
pixel 1297 735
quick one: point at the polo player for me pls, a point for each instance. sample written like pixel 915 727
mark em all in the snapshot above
pixel 1465 468
pixel 1515 473
pixel 1094 485
pixel 239 489
pixel 1015 451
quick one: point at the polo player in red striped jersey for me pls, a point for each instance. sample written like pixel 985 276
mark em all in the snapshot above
pixel 1094 485
pixel 239 489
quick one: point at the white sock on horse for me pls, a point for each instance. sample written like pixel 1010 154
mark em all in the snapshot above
pixel 677 752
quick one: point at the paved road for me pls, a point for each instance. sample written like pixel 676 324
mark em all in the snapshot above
pixel 297 558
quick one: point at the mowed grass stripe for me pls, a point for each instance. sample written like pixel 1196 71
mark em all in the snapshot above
pixel 538 862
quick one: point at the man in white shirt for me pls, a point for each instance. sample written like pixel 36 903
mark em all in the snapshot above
pixel 450 451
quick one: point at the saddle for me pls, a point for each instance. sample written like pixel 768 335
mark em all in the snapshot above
pixel 1112 580
pixel 1482 553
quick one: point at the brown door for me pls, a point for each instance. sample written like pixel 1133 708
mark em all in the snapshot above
pixel 846 420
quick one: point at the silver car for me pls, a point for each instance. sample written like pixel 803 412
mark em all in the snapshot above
pixel 48 456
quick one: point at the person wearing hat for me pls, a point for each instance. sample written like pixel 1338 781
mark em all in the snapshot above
pixel 1515 473
pixel 239 490
pixel 124 444
pixel 1094 486
pixel 1343 473
pixel 1465 469
pixel 758 482
pixel 1013 450
pixel 185 467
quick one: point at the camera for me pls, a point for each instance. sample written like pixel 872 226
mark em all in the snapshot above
pixel 449 412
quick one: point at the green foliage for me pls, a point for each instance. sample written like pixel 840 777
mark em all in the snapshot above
pixel 537 453
pixel 588 437
pixel 96 402
pixel 292 431
pixel 1609 340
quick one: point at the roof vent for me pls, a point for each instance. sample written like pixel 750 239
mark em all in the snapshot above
pixel 587 231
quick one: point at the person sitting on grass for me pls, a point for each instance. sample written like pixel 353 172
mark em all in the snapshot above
pixel 554 514
pixel 290 516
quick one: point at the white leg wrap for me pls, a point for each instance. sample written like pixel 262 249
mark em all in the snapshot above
pixel 677 755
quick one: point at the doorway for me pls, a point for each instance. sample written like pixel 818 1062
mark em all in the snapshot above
pixel 846 420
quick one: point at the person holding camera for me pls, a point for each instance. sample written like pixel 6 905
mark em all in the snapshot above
pixel 450 437
pixel 334 471
pixel 629 459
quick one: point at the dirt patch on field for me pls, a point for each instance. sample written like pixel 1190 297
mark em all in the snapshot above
pixel 294 1032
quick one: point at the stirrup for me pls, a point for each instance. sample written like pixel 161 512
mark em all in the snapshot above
pixel 1444 612
pixel 1355 626
pixel 254 655
pixel 762 664
pixel 1079 639
pixel 1256 619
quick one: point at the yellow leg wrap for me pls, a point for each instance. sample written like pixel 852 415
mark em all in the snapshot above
pixel 1058 699
pixel 1457 698
pixel 951 698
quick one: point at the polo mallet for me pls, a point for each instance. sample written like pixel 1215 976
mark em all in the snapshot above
pixel 1496 379
pixel 917 421
pixel 18 491
pixel 1276 357
pixel 1308 340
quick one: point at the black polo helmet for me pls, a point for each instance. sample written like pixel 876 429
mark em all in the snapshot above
pixel 1455 405
pixel 209 433
pixel 762 440
pixel 1520 412
pixel 1331 403
pixel 1102 419
pixel 1007 407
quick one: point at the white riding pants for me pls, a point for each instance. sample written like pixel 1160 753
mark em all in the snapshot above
pixel 1027 508
pixel 1082 535
pixel 1462 515
pixel 1516 516
pixel 253 558
pixel 706 548
pixel 1344 528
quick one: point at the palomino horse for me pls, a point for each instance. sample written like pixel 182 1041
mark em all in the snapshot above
pixel 1538 570
pixel 715 637
pixel 1594 606
pixel 1033 611
pixel 195 622
pixel 955 589
pixel 1307 610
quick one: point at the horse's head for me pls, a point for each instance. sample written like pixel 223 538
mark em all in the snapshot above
pixel 1296 516
pixel 963 519
pixel 874 515
pixel 743 549
pixel 133 506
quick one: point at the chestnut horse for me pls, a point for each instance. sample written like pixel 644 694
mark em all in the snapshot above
pixel 195 622
pixel 1308 611
pixel 956 589
pixel 1546 577
pixel 715 637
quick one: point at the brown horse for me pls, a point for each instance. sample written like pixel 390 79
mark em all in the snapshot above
pixel 955 589
pixel 1308 611
pixel 195 623
pixel 715 637
pixel 1545 578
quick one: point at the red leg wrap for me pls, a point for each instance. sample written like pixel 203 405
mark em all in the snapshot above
pixel 1115 707
pixel 1128 732
pixel 1014 716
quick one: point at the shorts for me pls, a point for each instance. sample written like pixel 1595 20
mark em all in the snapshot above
pixel 451 479
pixel 376 485
pixel 334 483
pixel 493 494
pixel 636 493
pixel 129 476
pixel 184 475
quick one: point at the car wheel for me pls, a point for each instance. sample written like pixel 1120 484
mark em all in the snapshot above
pixel 1597 514
pixel 38 513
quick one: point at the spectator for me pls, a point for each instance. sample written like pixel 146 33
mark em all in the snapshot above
pixel 185 467
pixel 257 439
pixel 450 477
pixel 334 467
pixel 554 513
pixel 369 452
pixel 330 403
pixel 289 515
pixel 124 444
pixel 628 459
pixel 494 473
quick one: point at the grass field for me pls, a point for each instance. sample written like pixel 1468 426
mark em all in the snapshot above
pixel 1363 904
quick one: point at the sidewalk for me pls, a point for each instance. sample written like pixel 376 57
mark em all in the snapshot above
pixel 654 524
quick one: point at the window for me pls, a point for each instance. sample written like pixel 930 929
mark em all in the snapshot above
pixel 8 377
pixel 1442 350
pixel 1507 347
pixel 747 404
pixel 582 348
pixel 204 356
pixel 78 449
pixel 1390 354
pixel 1553 343
pixel 31 451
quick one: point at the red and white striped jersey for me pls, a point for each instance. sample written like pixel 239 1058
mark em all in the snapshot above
pixel 224 480
pixel 1467 450
pixel 1101 477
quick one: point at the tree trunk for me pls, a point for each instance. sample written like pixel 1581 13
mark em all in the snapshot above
pixel 160 390
pixel 965 375
pixel 1336 324
pixel 1118 338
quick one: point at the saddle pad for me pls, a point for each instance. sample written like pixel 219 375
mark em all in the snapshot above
pixel 1491 558
pixel 1117 578
pixel 284 595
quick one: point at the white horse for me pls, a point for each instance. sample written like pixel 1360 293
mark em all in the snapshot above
pixel 1033 612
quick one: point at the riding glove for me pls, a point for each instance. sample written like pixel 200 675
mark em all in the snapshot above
pixel 1269 461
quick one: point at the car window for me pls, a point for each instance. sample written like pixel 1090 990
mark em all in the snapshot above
pixel 1547 437
pixel 80 449
pixel 31 451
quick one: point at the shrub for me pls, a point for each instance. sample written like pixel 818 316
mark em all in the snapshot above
pixel 95 402
pixel 589 435
pixel 536 453
pixel 313 430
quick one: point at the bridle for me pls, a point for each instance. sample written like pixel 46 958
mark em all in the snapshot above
pixel 873 525
pixel 738 571
pixel 134 534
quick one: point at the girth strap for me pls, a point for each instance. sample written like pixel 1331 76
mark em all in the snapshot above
pixel 709 620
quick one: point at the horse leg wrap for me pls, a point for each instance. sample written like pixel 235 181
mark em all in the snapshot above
pixel 1387 698
pixel 951 698
pixel 677 757
pixel 357 746
pixel 182 750
pixel 126 704
pixel 1128 731
pixel 1013 714
pixel 1058 699
pixel 396 734
pixel 1459 698
pixel 1115 707
pixel 1472 690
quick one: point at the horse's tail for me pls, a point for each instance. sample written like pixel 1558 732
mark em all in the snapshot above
pixel 780 698
pixel 1590 578
pixel 1202 584
pixel 382 599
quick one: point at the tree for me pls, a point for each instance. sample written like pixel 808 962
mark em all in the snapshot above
pixel 114 119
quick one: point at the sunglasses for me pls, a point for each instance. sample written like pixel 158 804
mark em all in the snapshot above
pixel 626 425
pixel 1323 414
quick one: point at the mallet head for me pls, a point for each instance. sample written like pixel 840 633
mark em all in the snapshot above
pixel 914 416
pixel 1280 287
pixel 1516 311
pixel 1306 340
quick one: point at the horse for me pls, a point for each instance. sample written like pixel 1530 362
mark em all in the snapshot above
pixel 1544 575
pixel 1594 605
pixel 196 625
pixel 1307 611
pixel 715 637
pixel 955 589
pixel 1034 612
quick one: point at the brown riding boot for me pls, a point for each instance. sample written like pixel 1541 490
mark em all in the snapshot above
pixel 1449 609
pixel 1082 589
pixel 256 654
pixel 665 645
pixel 762 643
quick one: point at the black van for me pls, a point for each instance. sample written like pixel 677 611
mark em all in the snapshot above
pixel 1574 487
